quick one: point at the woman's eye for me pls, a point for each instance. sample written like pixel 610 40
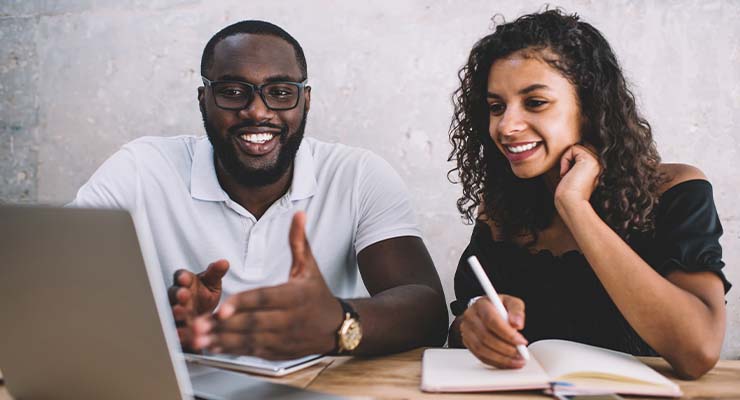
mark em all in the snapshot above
pixel 534 103
pixel 496 108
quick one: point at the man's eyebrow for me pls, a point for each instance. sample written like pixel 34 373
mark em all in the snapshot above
pixel 528 89
pixel 283 78
pixel 274 78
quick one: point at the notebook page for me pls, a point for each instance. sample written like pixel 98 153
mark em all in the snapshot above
pixel 458 370
pixel 562 359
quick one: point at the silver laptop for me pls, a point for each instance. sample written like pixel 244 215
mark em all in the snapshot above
pixel 82 317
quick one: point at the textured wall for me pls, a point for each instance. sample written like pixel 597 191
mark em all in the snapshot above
pixel 78 78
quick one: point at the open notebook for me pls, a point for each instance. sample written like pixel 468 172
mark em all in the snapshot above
pixel 577 368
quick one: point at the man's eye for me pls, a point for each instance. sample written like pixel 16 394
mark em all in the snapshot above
pixel 535 103
pixel 496 108
pixel 280 92
pixel 231 92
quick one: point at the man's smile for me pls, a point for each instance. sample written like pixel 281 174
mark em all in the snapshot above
pixel 257 144
pixel 257 140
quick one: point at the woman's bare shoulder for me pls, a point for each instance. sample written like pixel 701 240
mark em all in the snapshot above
pixel 678 173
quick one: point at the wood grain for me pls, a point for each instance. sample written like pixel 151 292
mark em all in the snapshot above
pixel 398 376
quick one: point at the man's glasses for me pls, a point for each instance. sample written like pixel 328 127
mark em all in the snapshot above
pixel 237 95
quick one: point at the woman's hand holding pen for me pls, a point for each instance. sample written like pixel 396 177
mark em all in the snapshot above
pixel 489 337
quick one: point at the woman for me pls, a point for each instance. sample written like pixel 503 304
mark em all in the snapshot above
pixel 576 217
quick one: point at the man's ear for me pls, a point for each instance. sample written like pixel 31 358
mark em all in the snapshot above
pixel 307 98
pixel 202 98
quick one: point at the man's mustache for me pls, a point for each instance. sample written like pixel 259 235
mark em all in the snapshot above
pixel 234 130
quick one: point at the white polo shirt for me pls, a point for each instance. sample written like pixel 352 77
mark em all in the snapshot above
pixel 184 219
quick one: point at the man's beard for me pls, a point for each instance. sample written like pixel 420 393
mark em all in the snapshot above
pixel 225 153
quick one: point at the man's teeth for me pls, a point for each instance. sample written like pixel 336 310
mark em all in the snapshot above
pixel 257 137
pixel 524 147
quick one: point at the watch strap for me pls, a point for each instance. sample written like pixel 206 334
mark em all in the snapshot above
pixel 348 309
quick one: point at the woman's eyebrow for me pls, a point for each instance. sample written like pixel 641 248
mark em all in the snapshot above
pixel 528 89
pixel 533 87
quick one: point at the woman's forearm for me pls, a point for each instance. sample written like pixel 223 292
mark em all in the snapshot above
pixel 685 326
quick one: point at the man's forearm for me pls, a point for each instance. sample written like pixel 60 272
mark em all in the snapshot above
pixel 401 318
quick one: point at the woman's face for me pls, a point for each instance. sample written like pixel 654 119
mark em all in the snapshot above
pixel 534 113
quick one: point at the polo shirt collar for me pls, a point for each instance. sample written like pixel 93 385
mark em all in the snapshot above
pixel 304 174
pixel 204 181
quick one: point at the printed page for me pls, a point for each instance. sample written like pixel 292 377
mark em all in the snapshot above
pixel 457 370
pixel 563 359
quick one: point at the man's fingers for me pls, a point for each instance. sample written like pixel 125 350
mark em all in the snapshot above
pixel 184 278
pixel 297 235
pixel 212 276
pixel 181 279
pixel 257 321
pixel 184 296
pixel 298 243
pixel 182 313
pixel 172 294
pixel 272 297
pixel 179 295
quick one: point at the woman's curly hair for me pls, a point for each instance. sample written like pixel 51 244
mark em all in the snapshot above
pixel 627 189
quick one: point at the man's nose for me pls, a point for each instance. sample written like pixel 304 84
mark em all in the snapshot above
pixel 257 110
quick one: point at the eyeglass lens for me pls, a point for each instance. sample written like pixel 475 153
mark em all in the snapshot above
pixel 235 95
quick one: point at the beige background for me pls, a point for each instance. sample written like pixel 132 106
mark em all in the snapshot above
pixel 80 78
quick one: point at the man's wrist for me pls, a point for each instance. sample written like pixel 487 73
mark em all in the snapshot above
pixel 334 322
pixel 349 333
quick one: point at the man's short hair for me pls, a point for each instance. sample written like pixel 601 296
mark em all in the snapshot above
pixel 254 27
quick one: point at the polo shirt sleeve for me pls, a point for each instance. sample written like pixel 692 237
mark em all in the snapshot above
pixel 384 206
pixel 114 185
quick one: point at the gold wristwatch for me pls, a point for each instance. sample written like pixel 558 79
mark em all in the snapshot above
pixel 349 334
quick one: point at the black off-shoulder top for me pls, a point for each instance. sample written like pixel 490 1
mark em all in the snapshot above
pixel 564 298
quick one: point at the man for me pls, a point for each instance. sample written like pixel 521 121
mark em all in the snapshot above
pixel 290 221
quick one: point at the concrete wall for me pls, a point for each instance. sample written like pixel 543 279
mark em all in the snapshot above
pixel 79 78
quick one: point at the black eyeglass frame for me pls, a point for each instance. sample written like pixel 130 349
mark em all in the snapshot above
pixel 257 89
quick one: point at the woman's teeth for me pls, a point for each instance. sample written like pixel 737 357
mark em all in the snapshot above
pixel 522 148
pixel 257 137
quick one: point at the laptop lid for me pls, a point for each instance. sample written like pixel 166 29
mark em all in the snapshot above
pixel 79 316
pixel 82 316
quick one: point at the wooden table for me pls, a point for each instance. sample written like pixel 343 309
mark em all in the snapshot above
pixel 398 376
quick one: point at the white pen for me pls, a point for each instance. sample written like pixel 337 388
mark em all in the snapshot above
pixel 493 296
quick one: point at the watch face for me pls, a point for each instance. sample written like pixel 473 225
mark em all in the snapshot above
pixel 351 335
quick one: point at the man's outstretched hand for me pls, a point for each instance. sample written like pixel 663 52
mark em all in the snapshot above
pixel 192 295
pixel 297 318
